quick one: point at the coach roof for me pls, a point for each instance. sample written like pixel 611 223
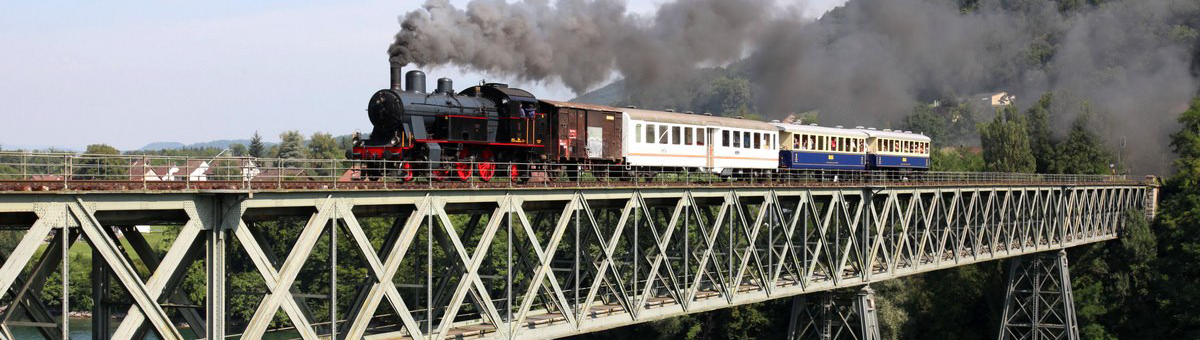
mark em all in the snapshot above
pixel 581 106
pixel 695 119
pixel 820 130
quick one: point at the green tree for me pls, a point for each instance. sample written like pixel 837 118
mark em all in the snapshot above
pixel 291 145
pixel 97 164
pixel 1081 152
pixel 256 148
pixel 727 97
pixel 1178 225
pixel 925 119
pixel 1041 140
pixel 1006 143
pixel 238 149
pixel 324 146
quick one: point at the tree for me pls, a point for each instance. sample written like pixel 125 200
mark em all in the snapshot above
pixel 1178 225
pixel 291 145
pixel 1041 142
pixel 94 164
pixel 256 146
pixel 1006 143
pixel 925 119
pixel 101 149
pixel 324 146
pixel 238 149
pixel 727 97
pixel 1081 152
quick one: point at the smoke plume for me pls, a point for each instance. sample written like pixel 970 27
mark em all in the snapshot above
pixel 580 42
pixel 866 63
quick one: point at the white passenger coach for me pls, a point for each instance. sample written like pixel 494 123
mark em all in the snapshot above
pixel 706 143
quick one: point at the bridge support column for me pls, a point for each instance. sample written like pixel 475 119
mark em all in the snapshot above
pixel 1039 304
pixel 834 315
pixel 101 310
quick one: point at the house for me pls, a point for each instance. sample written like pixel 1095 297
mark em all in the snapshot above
pixel 278 174
pixel 192 170
pixel 992 99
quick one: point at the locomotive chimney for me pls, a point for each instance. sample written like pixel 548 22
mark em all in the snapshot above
pixel 415 81
pixel 446 86
pixel 397 74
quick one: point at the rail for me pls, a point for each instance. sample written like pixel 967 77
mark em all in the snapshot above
pixel 86 172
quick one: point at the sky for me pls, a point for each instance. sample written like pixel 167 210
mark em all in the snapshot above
pixel 128 73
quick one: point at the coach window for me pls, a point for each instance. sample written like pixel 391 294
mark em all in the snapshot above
pixel 746 140
pixel 638 135
pixel 757 138
pixel 650 134
pixel 662 134
pixel 675 135
pixel 725 138
pixel 700 136
pixel 687 136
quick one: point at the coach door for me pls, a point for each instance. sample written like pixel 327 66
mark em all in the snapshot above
pixel 711 144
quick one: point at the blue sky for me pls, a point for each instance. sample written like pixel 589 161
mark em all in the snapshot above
pixel 128 73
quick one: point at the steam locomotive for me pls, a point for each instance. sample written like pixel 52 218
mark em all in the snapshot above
pixel 492 130
pixel 460 135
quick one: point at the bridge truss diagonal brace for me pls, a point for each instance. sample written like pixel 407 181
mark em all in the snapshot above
pixel 279 281
pixel 145 297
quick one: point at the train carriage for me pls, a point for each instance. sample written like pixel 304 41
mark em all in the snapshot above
pixel 897 150
pixel 819 147
pixel 712 144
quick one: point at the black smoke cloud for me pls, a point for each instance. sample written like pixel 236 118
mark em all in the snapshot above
pixel 580 42
pixel 865 63
pixel 868 62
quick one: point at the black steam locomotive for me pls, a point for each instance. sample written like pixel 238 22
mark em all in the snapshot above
pixel 456 135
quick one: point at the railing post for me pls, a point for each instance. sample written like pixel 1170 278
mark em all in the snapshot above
pixel 66 171
pixel 187 179
pixel 143 174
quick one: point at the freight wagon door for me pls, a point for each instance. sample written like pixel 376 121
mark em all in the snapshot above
pixel 600 130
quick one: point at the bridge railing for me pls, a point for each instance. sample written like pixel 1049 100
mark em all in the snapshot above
pixel 63 171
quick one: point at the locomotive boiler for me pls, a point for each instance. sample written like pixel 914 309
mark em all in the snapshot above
pixel 450 135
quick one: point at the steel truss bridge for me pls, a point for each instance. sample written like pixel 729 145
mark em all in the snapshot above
pixel 541 263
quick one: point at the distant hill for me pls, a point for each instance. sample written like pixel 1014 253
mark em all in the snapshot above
pixel 218 144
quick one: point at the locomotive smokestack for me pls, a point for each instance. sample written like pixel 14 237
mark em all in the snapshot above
pixel 397 74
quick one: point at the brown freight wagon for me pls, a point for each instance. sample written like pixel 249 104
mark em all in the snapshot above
pixel 583 133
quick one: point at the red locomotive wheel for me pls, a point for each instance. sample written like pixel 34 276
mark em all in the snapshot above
pixel 463 170
pixel 406 173
pixel 487 169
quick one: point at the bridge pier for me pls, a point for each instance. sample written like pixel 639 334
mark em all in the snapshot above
pixel 1038 303
pixel 832 315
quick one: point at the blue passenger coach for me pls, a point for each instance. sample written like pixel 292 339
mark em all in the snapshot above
pixel 897 150
pixel 818 147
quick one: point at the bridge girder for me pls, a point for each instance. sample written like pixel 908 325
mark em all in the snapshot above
pixel 547 263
